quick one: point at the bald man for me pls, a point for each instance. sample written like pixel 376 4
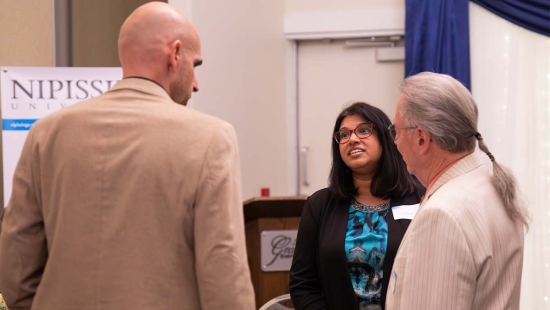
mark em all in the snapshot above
pixel 130 200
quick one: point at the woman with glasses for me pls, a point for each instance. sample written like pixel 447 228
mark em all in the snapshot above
pixel 349 232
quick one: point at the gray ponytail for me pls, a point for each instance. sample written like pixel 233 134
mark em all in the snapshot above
pixel 506 186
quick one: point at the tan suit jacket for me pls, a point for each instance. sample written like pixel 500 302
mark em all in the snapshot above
pixel 461 250
pixel 126 201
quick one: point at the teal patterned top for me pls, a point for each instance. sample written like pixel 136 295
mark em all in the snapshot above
pixel 365 245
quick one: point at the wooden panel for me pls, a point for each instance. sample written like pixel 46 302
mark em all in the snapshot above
pixel 273 207
pixel 267 285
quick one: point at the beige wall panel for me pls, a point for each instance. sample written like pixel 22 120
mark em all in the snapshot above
pixel 96 25
pixel 26 33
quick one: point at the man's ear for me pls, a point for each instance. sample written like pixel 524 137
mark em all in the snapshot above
pixel 423 141
pixel 175 53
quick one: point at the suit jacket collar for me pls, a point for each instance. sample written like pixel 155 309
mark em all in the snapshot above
pixel 461 167
pixel 141 85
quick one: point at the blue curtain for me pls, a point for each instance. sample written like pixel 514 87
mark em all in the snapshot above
pixel 437 38
pixel 530 14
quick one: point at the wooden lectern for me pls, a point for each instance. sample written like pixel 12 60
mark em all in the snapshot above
pixel 268 214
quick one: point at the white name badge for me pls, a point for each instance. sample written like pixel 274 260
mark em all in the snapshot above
pixel 405 212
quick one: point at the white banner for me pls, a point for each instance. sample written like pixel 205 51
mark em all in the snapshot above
pixel 30 93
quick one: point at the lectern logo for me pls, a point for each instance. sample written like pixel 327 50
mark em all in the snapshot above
pixel 277 247
pixel 282 247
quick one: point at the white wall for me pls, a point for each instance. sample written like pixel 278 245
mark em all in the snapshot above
pixel 303 6
pixel 242 81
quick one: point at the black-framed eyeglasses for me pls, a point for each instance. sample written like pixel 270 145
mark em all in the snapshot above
pixel 362 131
pixel 393 130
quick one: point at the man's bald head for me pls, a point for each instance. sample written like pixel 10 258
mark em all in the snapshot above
pixel 159 43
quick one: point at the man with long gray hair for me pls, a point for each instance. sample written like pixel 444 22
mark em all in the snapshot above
pixel 464 248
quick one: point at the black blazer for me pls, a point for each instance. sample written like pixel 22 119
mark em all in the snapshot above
pixel 319 276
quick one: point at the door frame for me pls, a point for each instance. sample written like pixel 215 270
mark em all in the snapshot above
pixel 325 25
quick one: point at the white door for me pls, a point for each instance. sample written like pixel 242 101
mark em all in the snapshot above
pixel 331 75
